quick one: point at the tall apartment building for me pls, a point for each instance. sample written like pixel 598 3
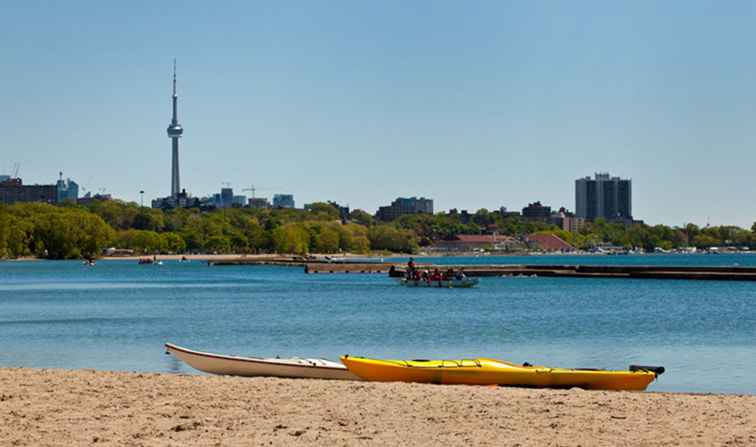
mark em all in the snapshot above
pixel 68 190
pixel 402 206
pixel 603 196
pixel 226 198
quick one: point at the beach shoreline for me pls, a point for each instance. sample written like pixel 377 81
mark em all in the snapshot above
pixel 41 407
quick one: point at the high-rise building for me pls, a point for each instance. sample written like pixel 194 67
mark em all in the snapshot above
pixel 283 201
pixel 603 196
pixel 226 197
pixel 403 206
pixel 68 190
pixel 174 133
pixel 239 201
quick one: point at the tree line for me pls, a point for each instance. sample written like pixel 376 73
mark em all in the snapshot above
pixel 76 231
pixel 80 231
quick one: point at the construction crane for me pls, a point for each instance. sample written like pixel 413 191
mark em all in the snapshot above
pixel 16 167
pixel 253 189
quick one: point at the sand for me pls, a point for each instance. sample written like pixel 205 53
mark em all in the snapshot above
pixel 41 407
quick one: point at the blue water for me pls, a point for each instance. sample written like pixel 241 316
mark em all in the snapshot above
pixel 117 315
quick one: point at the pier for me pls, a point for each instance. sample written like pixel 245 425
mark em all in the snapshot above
pixel 323 266
pixel 572 271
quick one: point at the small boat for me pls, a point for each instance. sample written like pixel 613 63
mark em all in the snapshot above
pixel 443 283
pixel 484 371
pixel 297 368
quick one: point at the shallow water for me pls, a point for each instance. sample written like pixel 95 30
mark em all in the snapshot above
pixel 118 314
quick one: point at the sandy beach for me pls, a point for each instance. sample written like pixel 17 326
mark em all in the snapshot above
pixel 45 407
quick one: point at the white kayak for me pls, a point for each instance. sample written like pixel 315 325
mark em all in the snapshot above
pixel 444 283
pixel 297 368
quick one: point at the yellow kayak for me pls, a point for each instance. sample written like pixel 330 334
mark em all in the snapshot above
pixel 484 371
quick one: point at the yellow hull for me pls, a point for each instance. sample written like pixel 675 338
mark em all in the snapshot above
pixel 495 372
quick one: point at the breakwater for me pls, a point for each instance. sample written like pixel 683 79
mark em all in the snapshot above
pixel 315 266
pixel 576 271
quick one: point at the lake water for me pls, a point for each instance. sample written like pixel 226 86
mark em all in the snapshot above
pixel 117 315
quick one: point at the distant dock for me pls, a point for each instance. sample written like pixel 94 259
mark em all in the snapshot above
pixel 572 271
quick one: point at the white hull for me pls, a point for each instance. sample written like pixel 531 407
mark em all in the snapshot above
pixel 453 283
pixel 261 367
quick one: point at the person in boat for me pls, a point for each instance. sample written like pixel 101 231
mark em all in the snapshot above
pixel 411 269
pixel 436 275
pixel 449 274
pixel 460 275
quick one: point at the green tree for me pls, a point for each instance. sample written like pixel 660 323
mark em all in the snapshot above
pixel 291 238
pixel 353 238
pixel 142 241
pixel 218 244
pixel 387 237
pixel 705 241
pixel 149 219
pixel 324 238
pixel 361 217
pixel 323 211
pixel 173 242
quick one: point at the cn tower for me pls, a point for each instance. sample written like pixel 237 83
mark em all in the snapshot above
pixel 174 133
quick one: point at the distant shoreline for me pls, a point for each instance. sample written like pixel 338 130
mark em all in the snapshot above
pixel 234 256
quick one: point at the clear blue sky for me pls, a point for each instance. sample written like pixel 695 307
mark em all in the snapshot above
pixel 478 104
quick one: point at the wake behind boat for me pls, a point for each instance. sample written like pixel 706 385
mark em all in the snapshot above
pixel 296 368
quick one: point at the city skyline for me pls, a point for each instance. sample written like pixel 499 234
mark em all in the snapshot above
pixel 325 103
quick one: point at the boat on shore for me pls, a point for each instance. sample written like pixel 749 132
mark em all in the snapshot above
pixel 227 365
pixel 464 283
pixel 483 371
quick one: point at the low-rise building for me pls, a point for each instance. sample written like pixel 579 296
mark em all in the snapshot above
pixel 505 213
pixel 182 200
pixel 259 203
pixel 537 211
pixel 403 206
pixel 89 198
pixel 567 220
pixel 13 190
pixel 477 242
pixel 549 242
